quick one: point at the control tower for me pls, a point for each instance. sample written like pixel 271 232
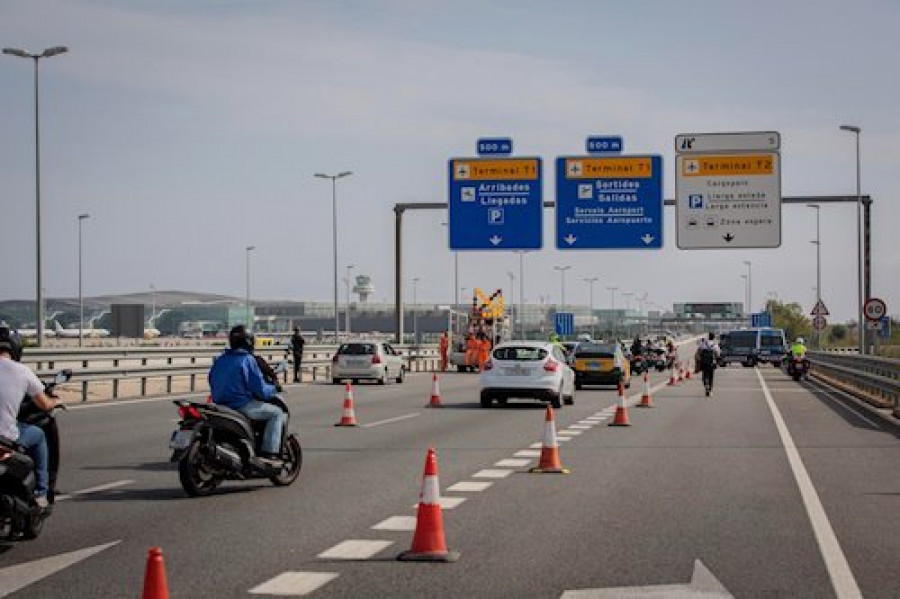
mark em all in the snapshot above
pixel 363 288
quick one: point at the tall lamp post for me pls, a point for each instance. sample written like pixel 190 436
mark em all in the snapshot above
pixel 590 281
pixel 520 312
pixel 81 219
pixel 746 292
pixel 415 312
pixel 152 301
pixel 249 325
pixel 455 285
pixel 54 51
pixel 818 243
pixel 334 178
pixel 512 303
pixel 562 272
pixel 612 291
pixel 860 291
pixel 749 286
pixel 349 267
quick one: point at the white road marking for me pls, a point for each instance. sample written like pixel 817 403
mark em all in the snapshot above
pixel 564 439
pixel 469 486
pixel 537 445
pixel 822 389
pixel 355 549
pixel 568 433
pixel 491 473
pixel 294 584
pixel 582 427
pixel 389 420
pixel 97 489
pixel 447 503
pixel 20 576
pixel 399 523
pixel 839 571
pixel 527 453
pixel 595 418
pixel 512 463
pixel 128 402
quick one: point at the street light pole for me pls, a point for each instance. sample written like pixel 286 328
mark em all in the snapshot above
pixel 749 286
pixel 860 291
pixel 152 303
pixel 347 315
pixel 81 218
pixel 612 291
pixel 512 303
pixel 590 281
pixel 334 178
pixel 746 292
pixel 54 51
pixel 818 244
pixel 249 324
pixel 562 271
pixel 415 313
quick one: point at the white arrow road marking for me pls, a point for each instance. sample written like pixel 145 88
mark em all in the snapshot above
pixel 20 576
pixel 703 584
pixel 97 489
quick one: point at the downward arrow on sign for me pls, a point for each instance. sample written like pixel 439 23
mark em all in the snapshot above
pixel 496 240
pixel 570 239
pixel 703 584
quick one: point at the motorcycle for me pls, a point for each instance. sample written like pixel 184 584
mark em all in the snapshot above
pixel 796 367
pixel 639 364
pixel 20 516
pixel 214 443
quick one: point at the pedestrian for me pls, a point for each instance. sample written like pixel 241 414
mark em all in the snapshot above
pixel 296 345
pixel 707 355
pixel 444 347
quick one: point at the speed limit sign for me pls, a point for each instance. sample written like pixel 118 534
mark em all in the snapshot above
pixel 874 309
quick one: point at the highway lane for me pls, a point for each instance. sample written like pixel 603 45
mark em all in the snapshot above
pixel 691 479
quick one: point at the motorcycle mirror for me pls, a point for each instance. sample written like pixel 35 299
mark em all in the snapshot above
pixel 63 376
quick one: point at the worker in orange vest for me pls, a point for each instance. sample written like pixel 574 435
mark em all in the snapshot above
pixel 471 350
pixel 484 351
pixel 444 348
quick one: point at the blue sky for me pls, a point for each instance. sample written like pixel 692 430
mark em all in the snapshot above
pixel 189 130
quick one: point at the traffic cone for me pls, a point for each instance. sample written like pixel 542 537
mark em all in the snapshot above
pixel 680 373
pixel 155 585
pixel 672 382
pixel 621 417
pixel 348 417
pixel 549 463
pixel 646 402
pixel 429 544
pixel 687 373
pixel 435 393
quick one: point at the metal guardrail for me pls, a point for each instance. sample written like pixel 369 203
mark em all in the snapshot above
pixel 873 379
pixel 143 364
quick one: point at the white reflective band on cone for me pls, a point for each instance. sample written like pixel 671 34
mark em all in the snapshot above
pixel 550 435
pixel 431 491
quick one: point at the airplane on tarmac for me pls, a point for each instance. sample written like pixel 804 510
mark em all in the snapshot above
pixel 32 333
pixel 74 333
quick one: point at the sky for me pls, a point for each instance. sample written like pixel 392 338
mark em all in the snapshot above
pixel 189 130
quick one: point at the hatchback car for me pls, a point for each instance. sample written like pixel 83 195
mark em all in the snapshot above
pixel 367 360
pixel 601 364
pixel 528 370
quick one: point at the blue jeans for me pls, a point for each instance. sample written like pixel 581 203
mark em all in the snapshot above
pixel 274 418
pixel 35 443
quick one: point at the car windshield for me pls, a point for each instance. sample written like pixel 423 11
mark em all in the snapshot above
pixel 520 353
pixel 357 349
pixel 595 350
pixel 771 340
pixel 742 339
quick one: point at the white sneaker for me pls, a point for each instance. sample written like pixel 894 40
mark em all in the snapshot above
pixel 42 502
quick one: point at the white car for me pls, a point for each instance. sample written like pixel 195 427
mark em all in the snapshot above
pixel 367 360
pixel 528 369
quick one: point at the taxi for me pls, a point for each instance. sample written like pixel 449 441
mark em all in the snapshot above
pixel 600 364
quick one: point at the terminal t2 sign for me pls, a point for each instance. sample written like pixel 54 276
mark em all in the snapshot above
pixel 613 202
pixel 495 204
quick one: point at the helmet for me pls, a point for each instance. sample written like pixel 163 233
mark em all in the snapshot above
pixel 10 342
pixel 801 341
pixel 239 338
pixel 554 337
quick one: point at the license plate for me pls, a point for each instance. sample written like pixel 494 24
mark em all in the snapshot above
pixel 181 439
pixel 517 371
pixel 356 362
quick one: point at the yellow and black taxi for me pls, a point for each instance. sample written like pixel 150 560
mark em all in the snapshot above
pixel 600 364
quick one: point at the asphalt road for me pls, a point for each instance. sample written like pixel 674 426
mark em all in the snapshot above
pixel 691 479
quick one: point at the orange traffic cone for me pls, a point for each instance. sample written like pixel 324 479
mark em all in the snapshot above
pixel 155 585
pixel 621 417
pixel 429 544
pixel 646 402
pixel 435 393
pixel 680 377
pixel 672 382
pixel 549 463
pixel 348 417
pixel 690 367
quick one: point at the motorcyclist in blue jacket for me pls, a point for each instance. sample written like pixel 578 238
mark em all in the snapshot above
pixel 236 382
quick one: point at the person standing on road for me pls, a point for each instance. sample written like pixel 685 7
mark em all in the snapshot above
pixel 707 355
pixel 296 345
pixel 444 348
pixel 16 382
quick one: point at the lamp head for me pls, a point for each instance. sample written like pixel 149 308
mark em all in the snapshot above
pixel 16 52
pixel 852 128
pixel 55 50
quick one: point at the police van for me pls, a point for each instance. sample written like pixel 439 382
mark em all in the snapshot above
pixel 752 346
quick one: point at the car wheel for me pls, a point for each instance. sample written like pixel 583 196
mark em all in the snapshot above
pixel 486 399
pixel 460 369
pixel 569 399
pixel 384 377
pixel 556 399
pixel 579 386
pixel 402 375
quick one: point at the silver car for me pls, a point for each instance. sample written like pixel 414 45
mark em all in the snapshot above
pixel 367 360
pixel 528 369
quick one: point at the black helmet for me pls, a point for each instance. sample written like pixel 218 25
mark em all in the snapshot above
pixel 10 342
pixel 239 338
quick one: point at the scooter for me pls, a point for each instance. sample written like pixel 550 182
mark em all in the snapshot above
pixel 214 443
pixel 797 367
pixel 20 516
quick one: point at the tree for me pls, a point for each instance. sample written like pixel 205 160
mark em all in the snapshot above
pixel 838 332
pixel 789 317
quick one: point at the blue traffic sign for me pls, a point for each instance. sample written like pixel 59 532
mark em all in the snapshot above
pixel 606 144
pixel 495 204
pixel 498 146
pixel 761 319
pixel 613 202
pixel 565 323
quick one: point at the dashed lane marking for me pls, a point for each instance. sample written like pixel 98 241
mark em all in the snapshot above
pixel 97 489
pixel 294 584
pixel 563 439
pixel 447 503
pixel 568 433
pixel 390 420
pixel 582 427
pixel 20 576
pixel 469 486
pixel 536 445
pixel 397 523
pixel 355 549
pixel 527 453
pixel 492 473
pixel 512 463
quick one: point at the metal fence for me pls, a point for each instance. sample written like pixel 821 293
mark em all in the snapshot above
pixel 874 379
pixel 170 365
